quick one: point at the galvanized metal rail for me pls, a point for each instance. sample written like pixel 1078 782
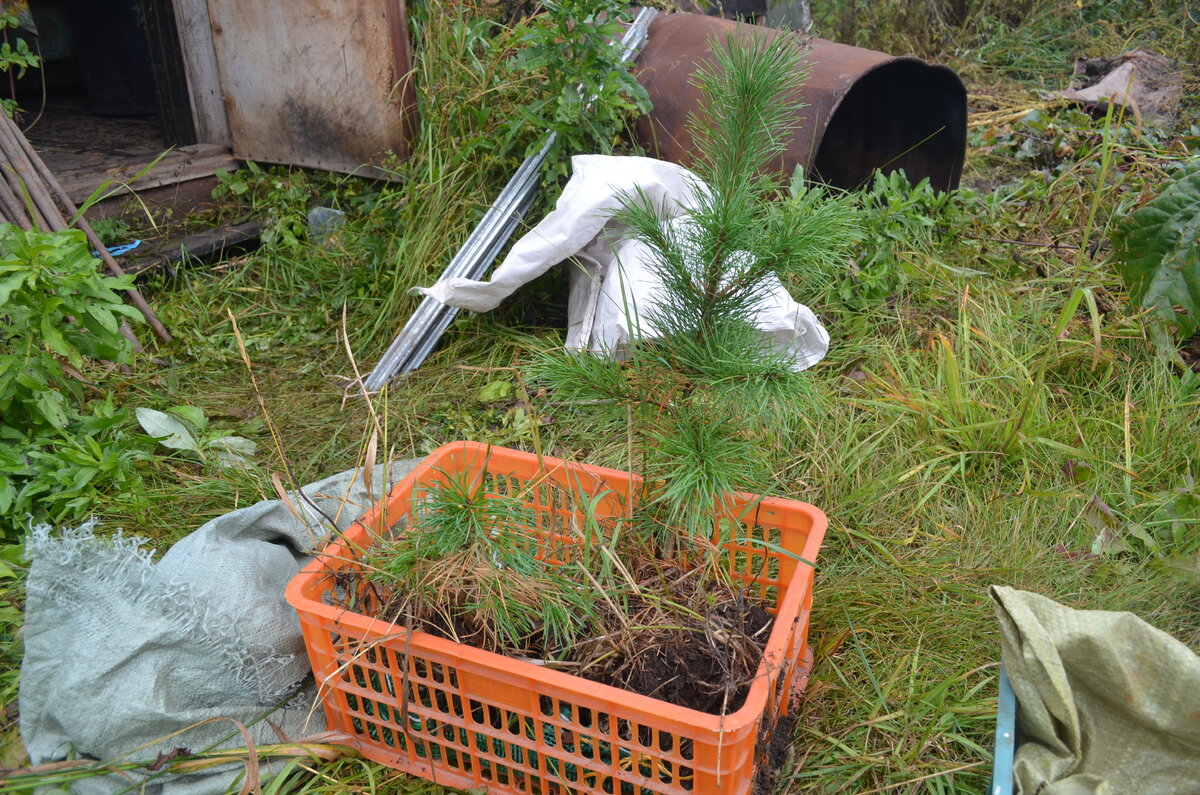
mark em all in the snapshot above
pixel 425 328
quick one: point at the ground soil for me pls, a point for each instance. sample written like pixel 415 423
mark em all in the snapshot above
pixel 773 749
pixel 69 138
pixel 707 666
pixel 684 668
pixel 1190 351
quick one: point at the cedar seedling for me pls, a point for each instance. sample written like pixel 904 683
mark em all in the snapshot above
pixel 467 564
pixel 705 394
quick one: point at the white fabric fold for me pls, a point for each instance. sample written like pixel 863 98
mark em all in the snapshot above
pixel 613 288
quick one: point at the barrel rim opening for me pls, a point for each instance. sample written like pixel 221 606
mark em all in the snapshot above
pixel 920 125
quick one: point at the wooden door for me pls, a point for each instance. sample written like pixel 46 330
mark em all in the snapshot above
pixel 316 83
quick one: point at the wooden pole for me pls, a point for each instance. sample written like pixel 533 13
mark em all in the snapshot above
pixel 28 209
pixel 14 212
pixel 26 177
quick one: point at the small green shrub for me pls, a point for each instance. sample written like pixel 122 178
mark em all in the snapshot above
pixel 15 57
pixel 901 220
pixel 57 312
pixel 112 231
pixel 588 95
pixel 56 307
pixel 67 472
pixel 277 195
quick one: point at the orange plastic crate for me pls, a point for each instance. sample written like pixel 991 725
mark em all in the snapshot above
pixel 463 717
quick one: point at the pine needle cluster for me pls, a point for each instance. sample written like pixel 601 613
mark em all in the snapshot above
pixel 706 394
pixel 745 232
pixel 467 564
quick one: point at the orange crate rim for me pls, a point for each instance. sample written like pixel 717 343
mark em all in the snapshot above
pixel 765 696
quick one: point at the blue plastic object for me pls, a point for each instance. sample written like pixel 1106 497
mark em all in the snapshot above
pixel 1006 738
pixel 117 251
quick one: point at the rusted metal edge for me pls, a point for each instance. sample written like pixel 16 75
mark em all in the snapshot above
pixel 864 110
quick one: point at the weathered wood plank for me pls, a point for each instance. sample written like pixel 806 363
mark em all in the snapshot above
pixel 158 19
pixel 206 245
pixel 179 165
pixel 204 79
pixel 316 83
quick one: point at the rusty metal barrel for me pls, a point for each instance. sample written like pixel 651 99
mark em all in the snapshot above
pixel 864 110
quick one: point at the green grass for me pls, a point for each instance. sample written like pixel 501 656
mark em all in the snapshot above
pixel 966 430
pixel 926 514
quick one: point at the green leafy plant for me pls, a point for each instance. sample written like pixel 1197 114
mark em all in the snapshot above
pixel 186 428
pixel 56 313
pixel 278 196
pixel 70 471
pixel 14 57
pixel 112 230
pixel 901 219
pixel 588 94
pixel 708 393
pixel 57 309
pixel 1046 140
pixel 1157 253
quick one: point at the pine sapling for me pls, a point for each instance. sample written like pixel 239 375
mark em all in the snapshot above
pixel 707 396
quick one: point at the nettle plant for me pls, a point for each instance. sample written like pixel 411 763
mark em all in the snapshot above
pixel 57 312
pixel 710 397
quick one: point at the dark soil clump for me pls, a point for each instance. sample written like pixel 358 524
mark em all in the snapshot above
pixel 1190 351
pixel 773 749
pixel 707 668
pixel 659 624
